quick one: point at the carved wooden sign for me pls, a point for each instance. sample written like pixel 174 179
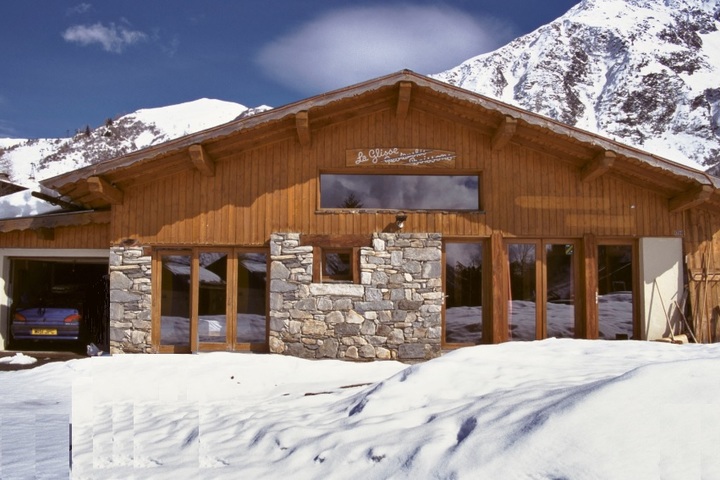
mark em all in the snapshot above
pixel 399 157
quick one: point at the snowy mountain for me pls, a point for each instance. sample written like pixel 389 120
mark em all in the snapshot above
pixel 28 161
pixel 642 72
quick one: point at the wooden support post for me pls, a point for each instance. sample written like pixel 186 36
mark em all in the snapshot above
pixel 504 133
pixel 105 190
pixel 403 103
pixel 598 166
pixel 588 321
pixel 202 160
pixel 56 201
pixel 302 125
pixel 690 198
pixel 495 321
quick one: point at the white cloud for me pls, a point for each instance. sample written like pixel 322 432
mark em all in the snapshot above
pixel 351 45
pixel 79 9
pixel 113 38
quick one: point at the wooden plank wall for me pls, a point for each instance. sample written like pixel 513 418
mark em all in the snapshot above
pixel 275 188
pixel 702 245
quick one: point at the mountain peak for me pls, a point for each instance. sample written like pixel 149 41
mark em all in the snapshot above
pixel 638 71
pixel 28 161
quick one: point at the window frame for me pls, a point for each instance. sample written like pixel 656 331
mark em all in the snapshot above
pixel 541 281
pixel 385 171
pixel 485 292
pixel 319 255
pixel 195 345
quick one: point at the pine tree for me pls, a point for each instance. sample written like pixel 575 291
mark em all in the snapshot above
pixel 351 201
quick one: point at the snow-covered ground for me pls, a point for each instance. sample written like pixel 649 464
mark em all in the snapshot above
pixel 574 409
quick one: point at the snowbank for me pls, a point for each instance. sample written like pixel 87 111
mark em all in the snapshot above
pixel 550 409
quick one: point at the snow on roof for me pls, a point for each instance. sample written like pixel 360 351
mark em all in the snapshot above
pixel 206 276
pixel 23 204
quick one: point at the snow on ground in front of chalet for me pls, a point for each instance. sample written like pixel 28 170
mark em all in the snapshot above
pixel 575 409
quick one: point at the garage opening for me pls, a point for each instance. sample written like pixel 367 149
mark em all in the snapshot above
pixel 59 304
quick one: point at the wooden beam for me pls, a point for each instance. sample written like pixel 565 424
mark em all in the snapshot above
pixel 690 198
pixel 202 161
pixel 337 241
pixel 302 125
pixel 403 103
pixel 57 202
pixel 102 188
pixel 598 166
pixel 504 133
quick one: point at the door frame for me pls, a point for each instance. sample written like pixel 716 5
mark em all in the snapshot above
pixel 594 328
pixel 486 289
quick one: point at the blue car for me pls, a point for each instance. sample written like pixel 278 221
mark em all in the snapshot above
pixel 57 318
pixel 46 323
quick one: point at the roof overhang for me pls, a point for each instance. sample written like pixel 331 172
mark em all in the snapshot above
pixel 101 185
pixel 51 221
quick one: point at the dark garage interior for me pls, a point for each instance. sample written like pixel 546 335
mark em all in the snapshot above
pixel 78 283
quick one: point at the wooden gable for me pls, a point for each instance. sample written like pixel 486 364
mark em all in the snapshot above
pixel 239 182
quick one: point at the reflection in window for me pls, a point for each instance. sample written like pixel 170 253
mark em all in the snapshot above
pixel 560 306
pixel 175 300
pixel 523 291
pixel 401 192
pixel 212 298
pixel 463 285
pixel 337 265
pixel 615 292
pixel 251 304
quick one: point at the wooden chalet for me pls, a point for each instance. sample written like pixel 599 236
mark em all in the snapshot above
pixel 392 219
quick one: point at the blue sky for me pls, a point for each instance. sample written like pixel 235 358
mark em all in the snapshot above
pixel 67 64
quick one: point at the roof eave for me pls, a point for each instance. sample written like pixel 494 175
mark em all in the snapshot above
pixel 282 113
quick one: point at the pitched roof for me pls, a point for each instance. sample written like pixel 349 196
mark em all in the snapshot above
pixel 98 185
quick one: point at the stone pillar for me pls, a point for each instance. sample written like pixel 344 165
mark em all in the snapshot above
pixel 130 300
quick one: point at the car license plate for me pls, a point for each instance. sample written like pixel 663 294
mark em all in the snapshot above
pixel 44 331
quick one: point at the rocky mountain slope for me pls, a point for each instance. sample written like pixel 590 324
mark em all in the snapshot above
pixel 28 161
pixel 643 72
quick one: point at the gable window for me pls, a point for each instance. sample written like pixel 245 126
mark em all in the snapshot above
pixel 400 192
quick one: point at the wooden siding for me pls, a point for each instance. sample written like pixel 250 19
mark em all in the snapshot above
pixel 92 236
pixel 702 248
pixel 526 192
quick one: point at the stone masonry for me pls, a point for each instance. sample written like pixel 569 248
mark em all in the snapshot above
pixel 130 300
pixel 394 313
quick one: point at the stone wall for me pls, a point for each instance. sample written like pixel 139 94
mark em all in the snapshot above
pixel 394 313
pixel 130 300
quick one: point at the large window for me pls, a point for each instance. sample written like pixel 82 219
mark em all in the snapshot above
pixel 400 192
pixel 542 289
pixel 464 288
pixel 201 291
pixel 615 292
pixel 175 300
